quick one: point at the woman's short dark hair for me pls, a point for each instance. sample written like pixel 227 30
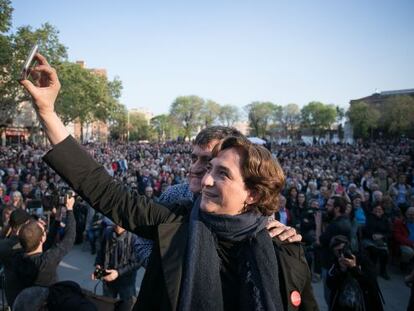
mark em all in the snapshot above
pixel 261 173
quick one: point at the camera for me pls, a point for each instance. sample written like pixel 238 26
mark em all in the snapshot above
pixel 99 273
pixel 63 195
pixel 346 252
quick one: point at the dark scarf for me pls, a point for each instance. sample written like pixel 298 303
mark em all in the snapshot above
pixel 201 285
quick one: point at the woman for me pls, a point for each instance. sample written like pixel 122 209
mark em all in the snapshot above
pixel 213 256
pixel 17 200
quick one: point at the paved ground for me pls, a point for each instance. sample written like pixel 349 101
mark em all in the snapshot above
pixel 78 266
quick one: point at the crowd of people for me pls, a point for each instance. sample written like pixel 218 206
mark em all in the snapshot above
pixel 197 216
pixel 362 193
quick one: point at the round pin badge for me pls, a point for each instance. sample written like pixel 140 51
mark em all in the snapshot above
pixel 295 298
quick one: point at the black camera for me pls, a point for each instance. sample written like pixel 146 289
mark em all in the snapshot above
pixel 64 194
pixel 99 273
pixel 346 252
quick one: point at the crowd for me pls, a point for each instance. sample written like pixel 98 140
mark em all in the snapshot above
pixel 352 204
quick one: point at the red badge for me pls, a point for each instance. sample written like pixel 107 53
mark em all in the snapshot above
pixel 295 298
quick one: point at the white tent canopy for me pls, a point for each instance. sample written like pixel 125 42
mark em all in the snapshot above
pixel 256 140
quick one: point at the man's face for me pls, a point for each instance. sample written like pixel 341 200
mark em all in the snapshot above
pixel 330 207
pixel 200 158
pixel 410 215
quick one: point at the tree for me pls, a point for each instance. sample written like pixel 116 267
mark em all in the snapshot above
pixel 318 117
pixel 229 115
pixel 364 119
pixel 186 110
pixel 118 122
pixel 399 114
pixel 13 52
pixel 139 127
pixel 165 127
pixel 209 112
pixel 289 119
pixel 260 115
pixel 85 96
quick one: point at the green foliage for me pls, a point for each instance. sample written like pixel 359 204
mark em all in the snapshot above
pixel 118 122
pixel 318 117
pixel 229 115
pixel 290 118
pixel 6 11
pixel 364 119
pixel 165 127
pixel 186 110
pixel 260 115
pixel 139 129
pixel 85 96
pixel 209 112
pixel 399 114
pixel 13 52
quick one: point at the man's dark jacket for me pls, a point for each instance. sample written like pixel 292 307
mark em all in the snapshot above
pixel 168 227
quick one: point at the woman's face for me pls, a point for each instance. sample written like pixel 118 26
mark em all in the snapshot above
pixel 223 188
pixel 301 198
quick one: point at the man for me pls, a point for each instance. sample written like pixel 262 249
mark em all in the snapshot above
pixel 403 233
pixel 35 266
pixel 340 225
pixel 117 261
pixel 201 154
pixel 352 280
pixel 9 247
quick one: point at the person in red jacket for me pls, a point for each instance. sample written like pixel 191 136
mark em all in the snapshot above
pixel 403 233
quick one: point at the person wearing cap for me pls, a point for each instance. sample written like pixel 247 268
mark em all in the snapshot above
pixel 351 279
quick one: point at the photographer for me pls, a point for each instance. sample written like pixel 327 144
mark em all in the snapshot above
pixel 116 264
pixel 37 266
pixel 352 283
pixel 8 248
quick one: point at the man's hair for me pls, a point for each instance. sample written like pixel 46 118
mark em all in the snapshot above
pixel 261 173
pixel 340 202
pixel 30 236
pixel 207 135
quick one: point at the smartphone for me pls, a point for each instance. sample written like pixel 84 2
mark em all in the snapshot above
pixel 28 63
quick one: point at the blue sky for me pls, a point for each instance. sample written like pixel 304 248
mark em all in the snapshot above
pixel 236 52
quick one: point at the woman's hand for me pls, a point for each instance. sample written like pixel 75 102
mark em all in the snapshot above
pixel 46 86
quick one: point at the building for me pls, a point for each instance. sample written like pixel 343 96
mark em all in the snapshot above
pixel 378 99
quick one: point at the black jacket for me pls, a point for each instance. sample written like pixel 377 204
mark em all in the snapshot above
pixel 167 227
pixel 117 252
pixel 364 275
pixel 40 269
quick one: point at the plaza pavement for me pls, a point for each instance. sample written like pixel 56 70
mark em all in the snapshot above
pixel 78 266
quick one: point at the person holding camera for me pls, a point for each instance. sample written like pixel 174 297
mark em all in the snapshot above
pixel 116 265
pixel 377 232
pixel 351 280
pixel 36 266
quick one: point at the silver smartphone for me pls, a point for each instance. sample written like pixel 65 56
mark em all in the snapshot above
pixel 28 63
